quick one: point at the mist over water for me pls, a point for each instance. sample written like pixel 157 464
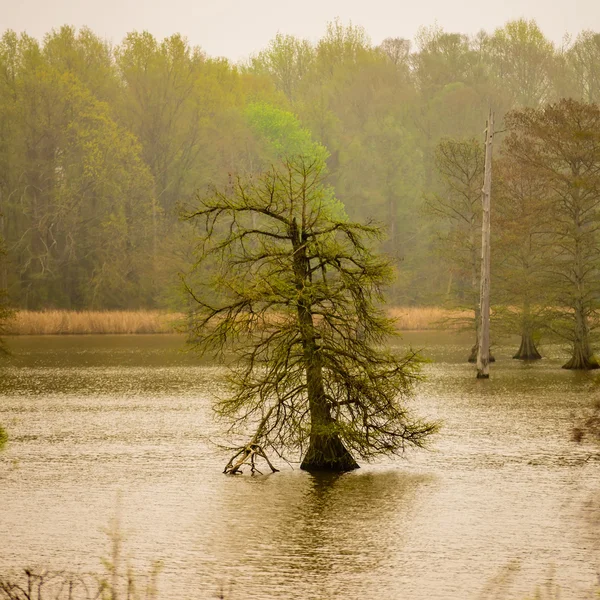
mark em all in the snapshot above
pixel 501 501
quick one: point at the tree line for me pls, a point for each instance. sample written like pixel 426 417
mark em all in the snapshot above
pixel 546 243
pixel 101 146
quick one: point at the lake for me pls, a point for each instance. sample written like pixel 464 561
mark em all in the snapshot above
pixel 99 426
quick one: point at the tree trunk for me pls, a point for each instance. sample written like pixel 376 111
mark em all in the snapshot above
pixel 527 349
pixel 473 356
pixel 483 350
pixel 582 357
pixel 326 452
pixel 475 348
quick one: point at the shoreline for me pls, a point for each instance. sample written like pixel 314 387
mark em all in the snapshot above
pixel 140 322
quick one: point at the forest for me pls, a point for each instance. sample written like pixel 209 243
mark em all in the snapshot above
pixel 282 212
pixel 102 148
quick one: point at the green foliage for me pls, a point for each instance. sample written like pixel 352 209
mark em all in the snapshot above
pixel 284 137
pixel 283 133
pixel 294 293
pixel 559 145
pixel 100 146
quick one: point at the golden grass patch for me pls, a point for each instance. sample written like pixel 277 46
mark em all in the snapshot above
pixel 62 322
pixel 418 318
pixel 50 322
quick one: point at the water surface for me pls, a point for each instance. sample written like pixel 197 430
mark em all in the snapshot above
pixel 503 499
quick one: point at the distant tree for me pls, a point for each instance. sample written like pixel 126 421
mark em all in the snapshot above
pixel 522 247
pixel 77 199
pixel 457 207
pixel 397 50
pixel 163 106
pixel 87 57
pixel 583 67
pixel 523 60
pixel 280 133
pixel 287 60
pixel 6 313
pixel 561 144
pixel 293 293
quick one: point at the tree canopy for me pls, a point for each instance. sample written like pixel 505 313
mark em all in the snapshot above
pixel 101 145
pixel 293 292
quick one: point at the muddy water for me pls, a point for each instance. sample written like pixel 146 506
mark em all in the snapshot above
pixel 501 503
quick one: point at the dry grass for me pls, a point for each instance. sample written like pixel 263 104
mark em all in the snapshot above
pixel 59 322
pixel 427 317
pixel 81 322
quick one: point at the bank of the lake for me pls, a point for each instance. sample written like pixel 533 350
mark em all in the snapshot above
pixel 127 322
pixel 502 498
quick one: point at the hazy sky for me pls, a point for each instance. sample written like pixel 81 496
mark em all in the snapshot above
pixel 237 28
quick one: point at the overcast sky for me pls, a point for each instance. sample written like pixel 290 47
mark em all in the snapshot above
pixel 238 28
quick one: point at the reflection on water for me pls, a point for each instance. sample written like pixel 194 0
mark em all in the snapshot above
pixel 501 487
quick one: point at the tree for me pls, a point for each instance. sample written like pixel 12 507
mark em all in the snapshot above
pixel 86 56
pixel 522 249
pixel 6 314
pixel 76 197
pixel 163 107
pixel 583 67
pixel 293 294
pixel 286 60
pixel 458 206
pixel 561 143
pixel 483 340
pixel 523 59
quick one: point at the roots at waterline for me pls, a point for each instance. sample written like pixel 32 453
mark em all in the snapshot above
pixel 582 361
pixel 473 356
pixel 527 349
pixel 328 453
pixel 247 456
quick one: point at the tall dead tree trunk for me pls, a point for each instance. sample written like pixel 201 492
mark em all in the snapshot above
pixel 475 282
pixel 483 351
pixel 475 279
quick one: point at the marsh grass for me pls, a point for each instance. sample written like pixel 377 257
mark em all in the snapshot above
pixel 117 581
pixel 58 322
pixel 421 318
pixel 65 322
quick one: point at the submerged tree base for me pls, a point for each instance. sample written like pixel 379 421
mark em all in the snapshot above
pixel 582 363
pixel 527 349
pixel 328 454
pixel 473 356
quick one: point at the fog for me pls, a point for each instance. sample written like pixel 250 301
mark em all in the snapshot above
pixel 236 29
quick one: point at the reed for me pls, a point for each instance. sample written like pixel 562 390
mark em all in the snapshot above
pixel 59 322
pixel 64 322
pixel 420 318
